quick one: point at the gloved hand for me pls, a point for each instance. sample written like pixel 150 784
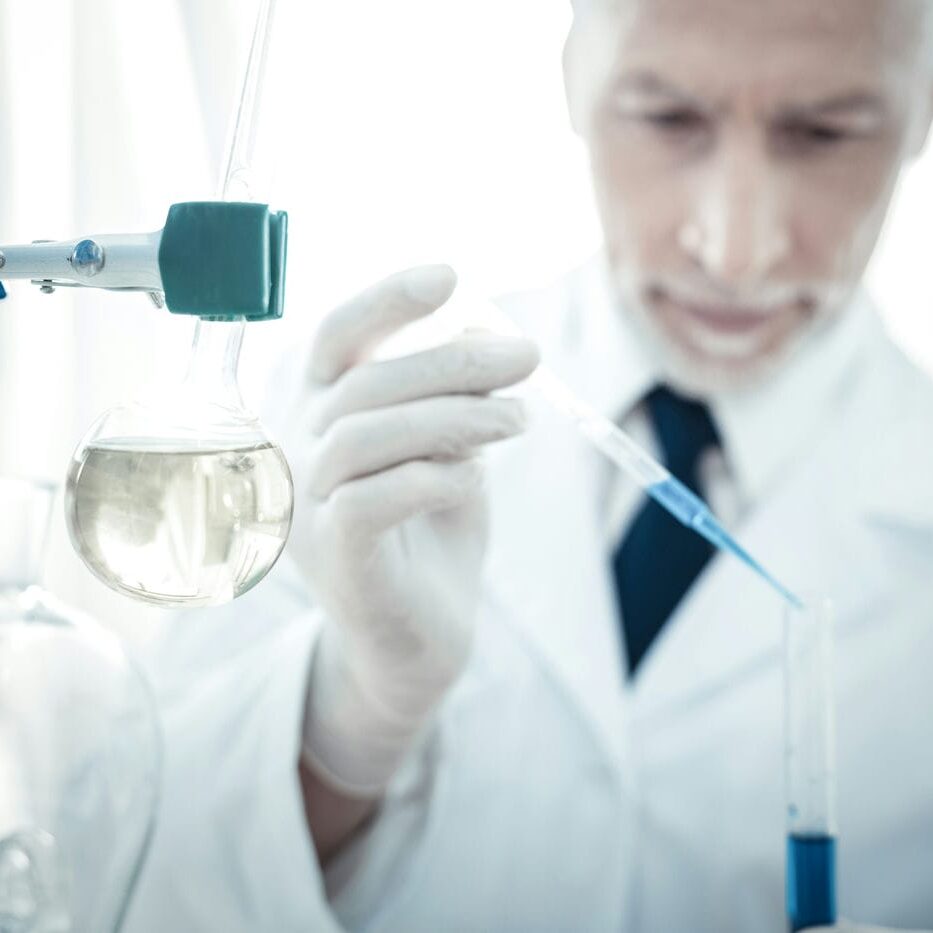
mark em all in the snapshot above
pixel 390 521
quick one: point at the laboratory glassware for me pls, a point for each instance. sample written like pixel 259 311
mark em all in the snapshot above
pixel 185 500
pixel 80 747
pixel 809 758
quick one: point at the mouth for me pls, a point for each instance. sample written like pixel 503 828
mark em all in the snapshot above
pixel 726 328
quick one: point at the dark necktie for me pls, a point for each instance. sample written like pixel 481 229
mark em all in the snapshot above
pixel 658 559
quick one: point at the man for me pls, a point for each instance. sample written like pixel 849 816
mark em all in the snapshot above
pixel 584 732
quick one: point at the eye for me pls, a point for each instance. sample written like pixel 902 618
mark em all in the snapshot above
pixel 815 135
pixel 675 120
pixel 826 134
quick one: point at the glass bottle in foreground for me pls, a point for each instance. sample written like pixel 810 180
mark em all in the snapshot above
pixel 80 748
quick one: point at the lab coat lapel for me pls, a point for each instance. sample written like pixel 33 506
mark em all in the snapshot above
pixel 894 482
pixel 730 624
pixel 549 561
pixel 547 568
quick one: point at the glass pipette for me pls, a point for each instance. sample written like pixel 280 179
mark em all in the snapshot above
pixel 237 181
pixel 657 481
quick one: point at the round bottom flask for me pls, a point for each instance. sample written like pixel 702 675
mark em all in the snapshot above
pixel 80 749
pixel 185 501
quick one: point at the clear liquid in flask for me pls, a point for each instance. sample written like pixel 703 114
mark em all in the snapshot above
pixel 175 525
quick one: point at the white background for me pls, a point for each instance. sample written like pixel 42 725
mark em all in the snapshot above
pixel 404 131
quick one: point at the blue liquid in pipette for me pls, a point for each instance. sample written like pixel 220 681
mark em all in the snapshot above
pixel 692 511
pixel 811 881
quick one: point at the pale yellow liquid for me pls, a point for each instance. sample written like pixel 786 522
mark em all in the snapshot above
pixel 179 527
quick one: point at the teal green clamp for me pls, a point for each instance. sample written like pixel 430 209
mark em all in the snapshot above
pixel 221 260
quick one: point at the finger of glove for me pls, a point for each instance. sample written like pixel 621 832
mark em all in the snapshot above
pixel 350 333
pixel 446 428
pixel 473 365
pixel 360 511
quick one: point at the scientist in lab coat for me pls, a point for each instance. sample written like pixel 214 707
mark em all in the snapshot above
pixel 510 695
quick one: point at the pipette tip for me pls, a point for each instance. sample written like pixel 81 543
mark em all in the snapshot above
pixel 719 537
pixel 776 584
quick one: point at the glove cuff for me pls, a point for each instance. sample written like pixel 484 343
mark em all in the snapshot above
pixel 352 740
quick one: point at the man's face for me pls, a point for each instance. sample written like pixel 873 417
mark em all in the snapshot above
pixel 744 153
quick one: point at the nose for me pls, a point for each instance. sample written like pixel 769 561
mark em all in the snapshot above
pixel 736 231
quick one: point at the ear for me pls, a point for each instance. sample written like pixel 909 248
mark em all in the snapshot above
pixel 921 131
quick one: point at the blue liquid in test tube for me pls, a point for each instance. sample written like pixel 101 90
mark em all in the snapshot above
pixel 811 881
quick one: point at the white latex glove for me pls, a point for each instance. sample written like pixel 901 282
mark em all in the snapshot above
pixel 390 520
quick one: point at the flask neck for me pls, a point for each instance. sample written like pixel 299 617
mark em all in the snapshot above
pixel 26 507
pixel 215 355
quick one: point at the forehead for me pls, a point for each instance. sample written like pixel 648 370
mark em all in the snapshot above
pixel 796 43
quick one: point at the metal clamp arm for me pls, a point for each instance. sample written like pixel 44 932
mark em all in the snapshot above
pixel 108 261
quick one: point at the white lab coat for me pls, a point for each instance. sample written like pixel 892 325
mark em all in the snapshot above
pixel 550 795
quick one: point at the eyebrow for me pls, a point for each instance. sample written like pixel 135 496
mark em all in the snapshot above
pixel 862 102
pixel 647 82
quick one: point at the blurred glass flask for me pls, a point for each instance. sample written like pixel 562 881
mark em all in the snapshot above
pixel 80 748
pixel 184 501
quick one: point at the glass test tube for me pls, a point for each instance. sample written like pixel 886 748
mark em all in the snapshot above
pixel 809 722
